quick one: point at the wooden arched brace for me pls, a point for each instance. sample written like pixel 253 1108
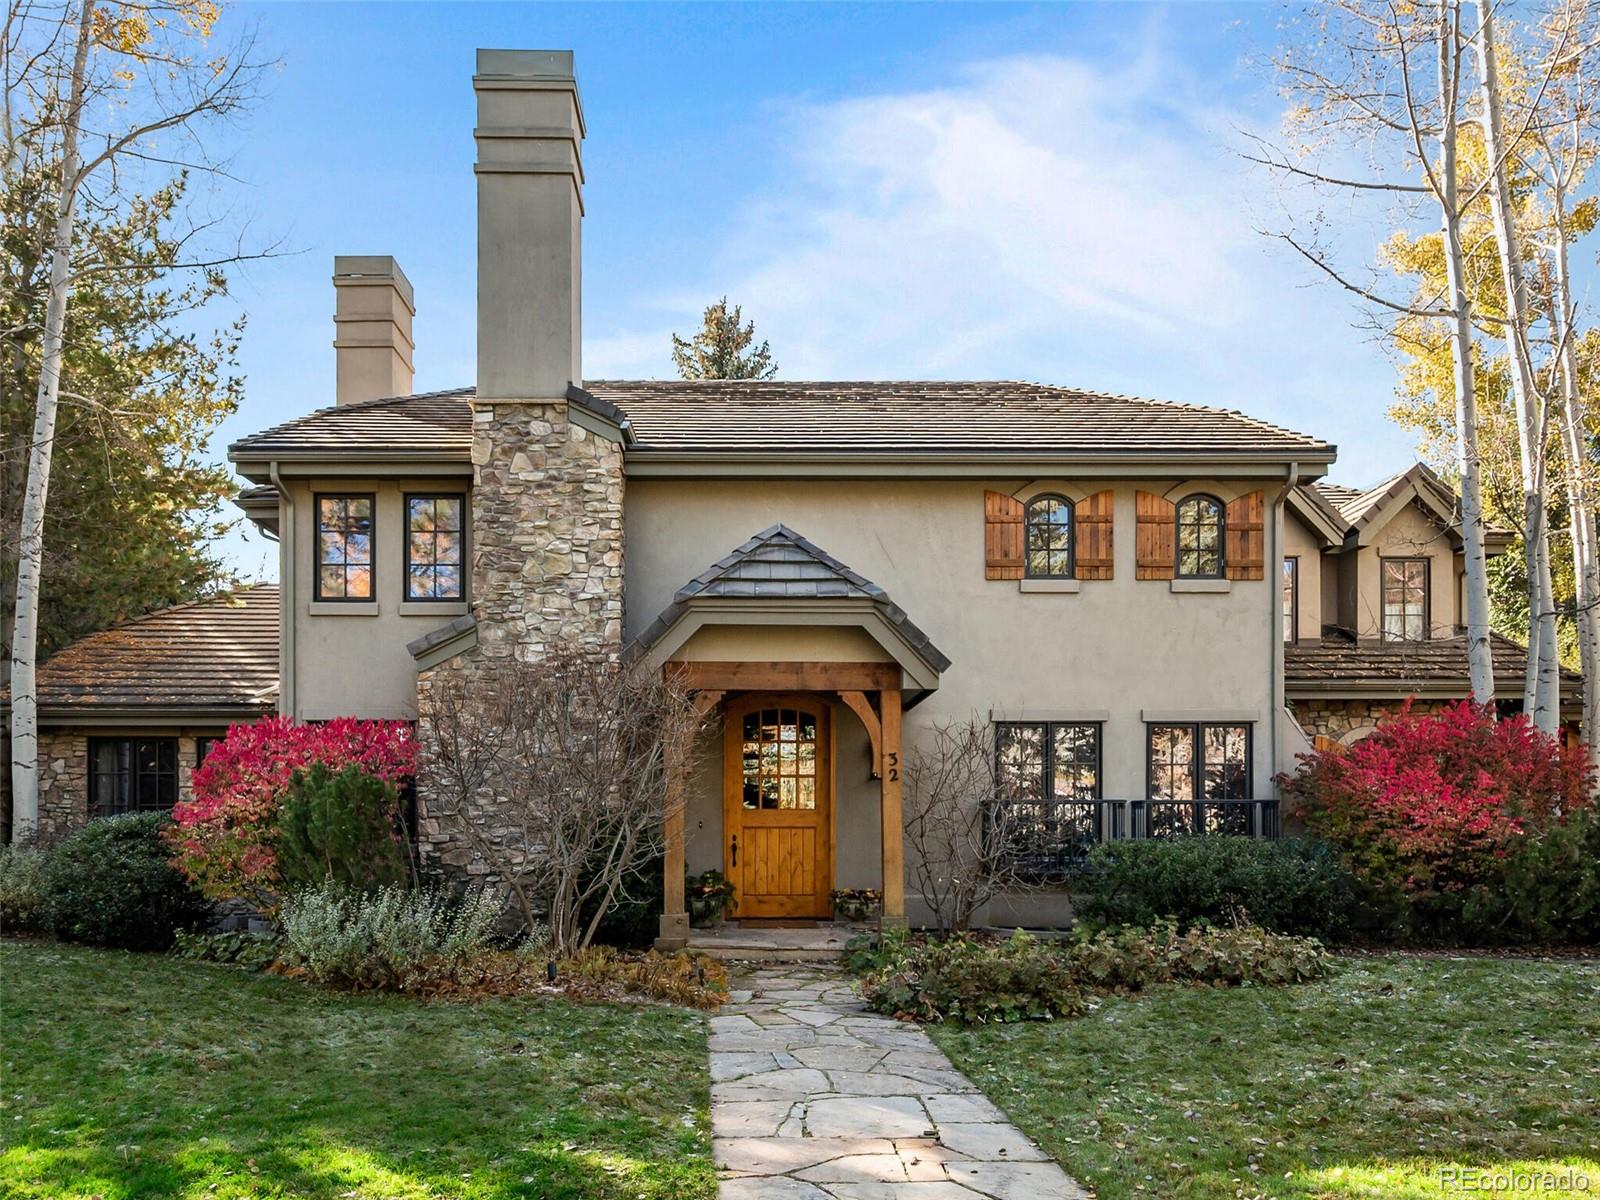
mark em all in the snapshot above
pixel 862 707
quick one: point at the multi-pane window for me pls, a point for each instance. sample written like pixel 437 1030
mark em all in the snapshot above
pixel 132 775
pixel 1291 599
pixel 1405 599
pixel 1049 526
pixel 1191 765
pixel 434 547
pixel 780 759
pixel 1199 538
pixel 203 747
pixel 1048 777
pixel 344 547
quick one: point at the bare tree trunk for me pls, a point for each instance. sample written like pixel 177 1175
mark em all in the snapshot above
pixel 1480 664
pixel 1537 693
pixel 1581 498
pixel 24 641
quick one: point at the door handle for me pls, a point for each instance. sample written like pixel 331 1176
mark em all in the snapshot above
pixel 733 851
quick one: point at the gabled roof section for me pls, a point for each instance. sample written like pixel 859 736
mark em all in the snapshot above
pixel 1318 515
pixel 1376 507
pixel 779 565
pixel 662 420
pixel 210 656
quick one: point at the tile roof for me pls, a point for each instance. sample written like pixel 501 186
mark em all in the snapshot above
pixel 1436 666
pixel 791 417
pixel 778 563
pixel 220 653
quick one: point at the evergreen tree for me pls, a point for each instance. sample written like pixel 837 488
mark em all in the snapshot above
pixel 723 349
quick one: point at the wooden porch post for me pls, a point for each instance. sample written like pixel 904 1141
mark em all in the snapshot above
pixel 674 917
pixel 894 862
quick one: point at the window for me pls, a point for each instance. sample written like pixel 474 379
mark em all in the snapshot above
pixel 132 775
pixel 1048 775
pixel 780 759
pixel 434 547
pixel 1291 599
pixel 1405 599
pixel 1199 538
pixel 202 747
pixel 1049 524
pixel 1192 765
pixel 344 548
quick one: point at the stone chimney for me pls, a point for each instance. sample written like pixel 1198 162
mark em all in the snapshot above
pixel 372 311
pixel 530 205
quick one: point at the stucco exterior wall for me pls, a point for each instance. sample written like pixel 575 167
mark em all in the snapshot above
pixel 64 772
pixel 351 658
pixel 1411 533
pixel 1299 542
pixel 1119 651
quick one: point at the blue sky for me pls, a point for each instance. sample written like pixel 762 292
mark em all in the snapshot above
pixel 1049 193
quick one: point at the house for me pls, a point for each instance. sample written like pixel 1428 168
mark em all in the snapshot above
pixel 1132 593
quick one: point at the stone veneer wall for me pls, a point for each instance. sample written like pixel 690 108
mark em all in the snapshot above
pixel 1339 719
pixel 546 544
pixel 64 778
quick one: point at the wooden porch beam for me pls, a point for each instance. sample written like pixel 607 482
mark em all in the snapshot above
pixel 858 703
pixel 894 857
pixel 787 676
pixel 674 914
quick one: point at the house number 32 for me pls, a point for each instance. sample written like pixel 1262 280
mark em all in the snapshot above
pixel 892 762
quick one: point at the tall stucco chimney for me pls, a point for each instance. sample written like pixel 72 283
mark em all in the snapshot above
pixel 530 206
pixel 372 311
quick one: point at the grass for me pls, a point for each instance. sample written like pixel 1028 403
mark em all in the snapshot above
pixel 1368 1085
pixel 141 1076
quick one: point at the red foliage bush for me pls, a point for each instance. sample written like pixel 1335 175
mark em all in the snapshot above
pixel 224 837
pixel 1428 806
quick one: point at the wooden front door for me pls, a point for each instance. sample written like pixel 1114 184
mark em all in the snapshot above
pixel 778 806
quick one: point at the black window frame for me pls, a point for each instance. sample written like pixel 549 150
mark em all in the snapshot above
pixel 1027 538
pixel 1197 822
pixel 1292 562
pixel 203 746
pixel 1055 855
pixel 405 549
pixel 316 550
pixel 1427 596
pixel 128 768
pixel 1222 538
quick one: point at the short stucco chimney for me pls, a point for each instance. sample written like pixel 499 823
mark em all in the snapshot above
pixel 530 206
pixel 372 311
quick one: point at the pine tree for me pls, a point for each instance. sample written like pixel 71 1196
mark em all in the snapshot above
pixel 723 349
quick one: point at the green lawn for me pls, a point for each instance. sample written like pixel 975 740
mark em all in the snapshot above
pixel 1365 1085
pixel 136 1075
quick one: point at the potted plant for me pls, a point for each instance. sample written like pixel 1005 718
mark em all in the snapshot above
pixel 856 904
pixel 708 895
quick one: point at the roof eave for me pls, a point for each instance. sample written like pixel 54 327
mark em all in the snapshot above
pixel 972 463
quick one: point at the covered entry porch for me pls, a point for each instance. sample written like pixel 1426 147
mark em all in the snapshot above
pixel 803 671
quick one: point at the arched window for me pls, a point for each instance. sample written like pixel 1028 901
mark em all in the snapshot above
pixel 1049 524
pixel 1200 538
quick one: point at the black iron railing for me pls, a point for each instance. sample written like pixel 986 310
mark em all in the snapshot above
pixel 1060 833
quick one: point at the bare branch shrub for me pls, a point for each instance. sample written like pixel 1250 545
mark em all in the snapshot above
pixel 966 840
pixel 555 772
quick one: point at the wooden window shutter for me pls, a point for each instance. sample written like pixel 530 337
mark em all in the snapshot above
pixel 1155 541
pixel 1245 537
pixel 1092 527
pixel 1003 536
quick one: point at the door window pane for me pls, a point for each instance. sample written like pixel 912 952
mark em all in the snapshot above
pixel 779 754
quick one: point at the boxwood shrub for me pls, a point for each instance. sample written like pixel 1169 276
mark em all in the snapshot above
pixel 1294 886
pixel 110 884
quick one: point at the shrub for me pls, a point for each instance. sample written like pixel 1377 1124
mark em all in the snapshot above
pixel 633 921
pixel 1023 978
pixel 110 884
pixel 1548 888
pixel 345 828
pixel 226 835
pixel 252 951
pixel 391 939
pixel 22 894
pixel 961 979
pixel 1294 886
pixel 603 973
pixel 1429 809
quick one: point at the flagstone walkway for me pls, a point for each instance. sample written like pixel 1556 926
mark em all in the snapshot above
pixel 815 1098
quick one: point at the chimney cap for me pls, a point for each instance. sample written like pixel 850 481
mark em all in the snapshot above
pixel 526 64
pixel 375 268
